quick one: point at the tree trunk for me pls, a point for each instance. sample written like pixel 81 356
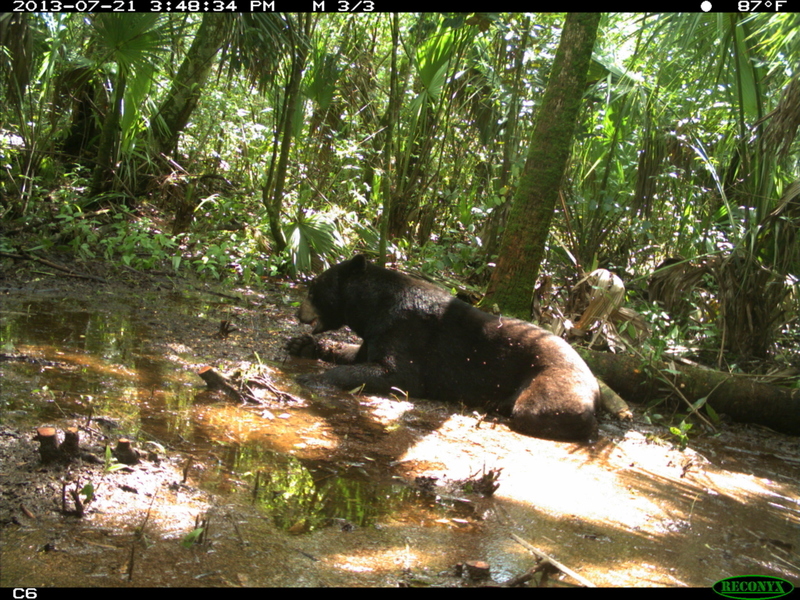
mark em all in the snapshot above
pixel 392 115
pixel 182 98
pixel 109 139
pixel 498 218
pixel 737 396
pixel 522 247
pixel 274 203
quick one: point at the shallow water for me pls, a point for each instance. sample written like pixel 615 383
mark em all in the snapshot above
pixel 337 473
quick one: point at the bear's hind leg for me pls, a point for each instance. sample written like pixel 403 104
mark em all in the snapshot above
pixel 557 406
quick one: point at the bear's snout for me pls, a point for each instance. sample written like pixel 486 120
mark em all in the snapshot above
pixel 308 315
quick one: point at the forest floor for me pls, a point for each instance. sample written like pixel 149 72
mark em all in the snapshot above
pixel 309 488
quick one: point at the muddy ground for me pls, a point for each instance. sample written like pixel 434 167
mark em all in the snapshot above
pixel 323 489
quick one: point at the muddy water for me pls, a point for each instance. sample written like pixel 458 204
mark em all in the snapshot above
pixel 326 492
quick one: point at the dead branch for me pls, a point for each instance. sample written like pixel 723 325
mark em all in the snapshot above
pixel 215 381
pixel 564 569
pixel 69 272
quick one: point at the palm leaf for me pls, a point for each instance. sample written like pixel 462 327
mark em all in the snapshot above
pixel 309 236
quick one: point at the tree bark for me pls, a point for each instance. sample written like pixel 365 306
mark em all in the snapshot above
pixel 274 202
pixel 737 396
pixel 182 98
pixel 109 140
pixel 392 115
pixel 522 247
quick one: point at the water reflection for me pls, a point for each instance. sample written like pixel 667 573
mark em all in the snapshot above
pixel 626 509
pixel 84 364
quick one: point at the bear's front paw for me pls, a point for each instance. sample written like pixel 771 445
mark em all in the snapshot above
pixel 303 346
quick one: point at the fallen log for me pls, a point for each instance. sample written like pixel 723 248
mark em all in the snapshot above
pixel 740 397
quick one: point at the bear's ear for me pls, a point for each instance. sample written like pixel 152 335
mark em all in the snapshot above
pixel 359 263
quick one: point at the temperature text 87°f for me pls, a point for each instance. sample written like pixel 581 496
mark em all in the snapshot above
pixel 761 5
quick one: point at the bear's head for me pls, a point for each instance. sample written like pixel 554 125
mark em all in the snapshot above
pixel 324 306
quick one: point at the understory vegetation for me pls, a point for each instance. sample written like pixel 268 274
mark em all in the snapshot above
pixel 239 147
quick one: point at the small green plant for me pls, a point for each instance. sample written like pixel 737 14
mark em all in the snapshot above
pixel 110 463
pixel 213 260
pixel 87 492
pixel 46 392
pixel 193 537
pixel 681 432
pixel 80 497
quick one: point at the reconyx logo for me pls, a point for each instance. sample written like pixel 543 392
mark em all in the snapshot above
pixel 759 587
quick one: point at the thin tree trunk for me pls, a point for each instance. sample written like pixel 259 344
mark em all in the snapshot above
pixel 182 98
pixel 387 182
pixel 410 145
pixel 109 140
pixel 291 100
pixel 497 220
pixel 522 248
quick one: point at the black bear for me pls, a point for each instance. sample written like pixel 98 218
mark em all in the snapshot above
pixel 419 339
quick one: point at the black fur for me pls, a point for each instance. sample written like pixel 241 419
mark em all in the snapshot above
pixel 419 339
